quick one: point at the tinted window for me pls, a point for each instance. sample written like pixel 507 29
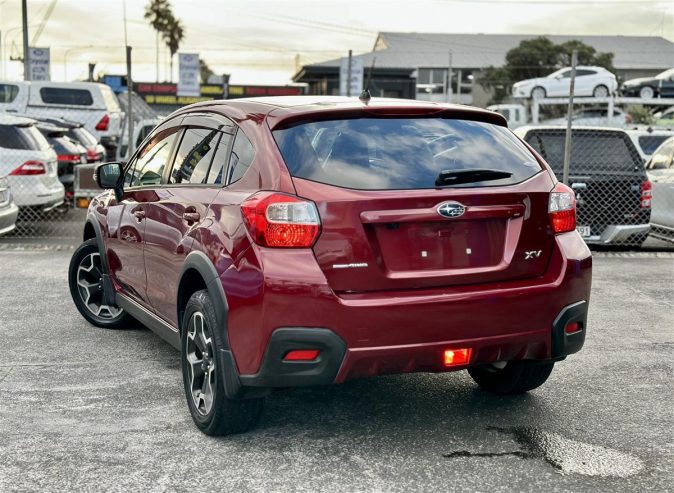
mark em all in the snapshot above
pixel 82 135
pixel 241 158
pixel 8 93
pixel 219 164
pixel 401 153
pixel 590 151
pixel 148 167
pixel 581 72
pixel 59 95
pixel 27 138
pixel 649 143
pixel 663 158
pixel 194 156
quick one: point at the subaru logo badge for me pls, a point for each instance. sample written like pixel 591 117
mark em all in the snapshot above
pixel 451 209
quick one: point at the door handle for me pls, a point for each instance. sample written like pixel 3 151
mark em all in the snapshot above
pixel 191 217
pixel 139 215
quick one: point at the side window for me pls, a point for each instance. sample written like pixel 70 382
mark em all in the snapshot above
pixel 194 156
pixel 565 74
pixel 148 166
pixel 59 95
pixel 241 157
pixel 8 93
pixel 581 72
pixel 219 164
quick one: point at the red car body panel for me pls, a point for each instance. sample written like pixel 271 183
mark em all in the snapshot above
pixel 398 313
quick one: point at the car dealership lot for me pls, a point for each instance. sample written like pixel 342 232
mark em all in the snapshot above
pixel 86 408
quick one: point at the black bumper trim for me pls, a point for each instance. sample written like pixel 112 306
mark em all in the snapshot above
pixel 564 344
pixel 274 372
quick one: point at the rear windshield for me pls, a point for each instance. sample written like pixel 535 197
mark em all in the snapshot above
pixel 61 95
pixel 25 138
pixel 83 136
pixel 649 143
pixel 401 153
pixel 591 151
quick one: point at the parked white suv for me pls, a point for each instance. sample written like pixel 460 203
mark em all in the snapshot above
pixel 90 103
pixel 29 163
pixel 590 81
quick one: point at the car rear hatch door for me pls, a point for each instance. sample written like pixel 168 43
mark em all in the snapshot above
pixel 392 238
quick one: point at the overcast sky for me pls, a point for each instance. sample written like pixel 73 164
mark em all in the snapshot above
pixel 260 41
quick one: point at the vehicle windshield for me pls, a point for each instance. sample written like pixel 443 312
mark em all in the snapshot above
pixel 667 74
pixel 592 152
pixel 402 153
pixel 82 135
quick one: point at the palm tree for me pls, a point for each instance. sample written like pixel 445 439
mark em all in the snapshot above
pixel 173 36
pixel 158 13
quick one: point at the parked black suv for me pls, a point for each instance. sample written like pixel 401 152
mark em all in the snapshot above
pixel 607 173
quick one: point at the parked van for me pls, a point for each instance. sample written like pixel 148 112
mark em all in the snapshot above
pixel 90 103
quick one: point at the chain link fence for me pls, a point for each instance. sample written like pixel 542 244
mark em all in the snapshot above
pixel 47 158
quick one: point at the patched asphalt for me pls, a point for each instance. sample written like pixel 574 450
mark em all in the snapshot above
pixel 91 409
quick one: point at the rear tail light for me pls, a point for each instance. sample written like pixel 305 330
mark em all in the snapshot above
pixel 281 221
pixel 572 327
pixel 103 124
pixel 646 194
pixel 75 158
pixel 30 168
pixel 562 209
pixel 456 357
pixel 92 155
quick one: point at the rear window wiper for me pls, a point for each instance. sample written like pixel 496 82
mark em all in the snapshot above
pixel 455 177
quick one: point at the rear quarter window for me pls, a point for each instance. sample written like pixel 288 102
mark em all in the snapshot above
pixel 60 95
pixel 401 153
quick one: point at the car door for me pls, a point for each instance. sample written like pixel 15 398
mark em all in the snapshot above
pixel 559 85
pixel 660 171
pixel 176 214
pixel 127 223
pixel 586 80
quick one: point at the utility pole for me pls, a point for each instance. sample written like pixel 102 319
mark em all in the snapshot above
pixel 129 90
pixel 348 76
pixel 26 54
pixel 569 116
pixel 449 78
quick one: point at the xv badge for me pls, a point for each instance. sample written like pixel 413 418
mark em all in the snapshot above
pixel 532 254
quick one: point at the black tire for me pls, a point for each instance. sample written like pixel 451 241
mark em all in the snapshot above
pixel 86 289
pixel 212 412
pixel 516 377
pixel 538 92
pixel 601 89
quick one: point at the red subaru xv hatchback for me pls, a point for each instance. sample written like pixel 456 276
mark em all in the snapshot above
pixel 281 242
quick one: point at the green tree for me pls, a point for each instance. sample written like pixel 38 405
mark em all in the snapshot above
pixel 173 35
pixel 158 13
pixel 538 57
pixel 205 72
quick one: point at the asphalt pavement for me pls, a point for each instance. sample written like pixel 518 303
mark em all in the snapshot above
pixel 89 409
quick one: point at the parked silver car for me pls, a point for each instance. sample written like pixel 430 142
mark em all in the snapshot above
pixel 660 171
pixel 8 209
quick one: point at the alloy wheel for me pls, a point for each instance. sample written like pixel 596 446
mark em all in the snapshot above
pixel 600 92
pixel 646 92
pixel 90 287
pixel 200 363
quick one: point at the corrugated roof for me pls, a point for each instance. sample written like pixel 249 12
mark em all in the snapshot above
pixel 404 50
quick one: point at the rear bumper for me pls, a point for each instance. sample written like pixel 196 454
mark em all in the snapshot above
pixel 8 216
pixel 619 234
pixel 395 332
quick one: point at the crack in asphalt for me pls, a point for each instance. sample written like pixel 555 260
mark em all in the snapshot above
pixel 466 453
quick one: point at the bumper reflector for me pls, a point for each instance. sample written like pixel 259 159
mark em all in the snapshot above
pixel 302 355
pixel 572 327
pixel 455 357
pixel 82 203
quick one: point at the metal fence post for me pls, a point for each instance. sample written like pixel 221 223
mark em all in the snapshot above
pixel 569 116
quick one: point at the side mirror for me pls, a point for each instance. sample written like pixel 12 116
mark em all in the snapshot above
pixel 109 176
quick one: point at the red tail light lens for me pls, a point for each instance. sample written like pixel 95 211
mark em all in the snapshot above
pixel 92 155
pixel 103 124
pixel 562 209
pixel 69 157
pixel 30 168
pixel 646 194
pixel 281 221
